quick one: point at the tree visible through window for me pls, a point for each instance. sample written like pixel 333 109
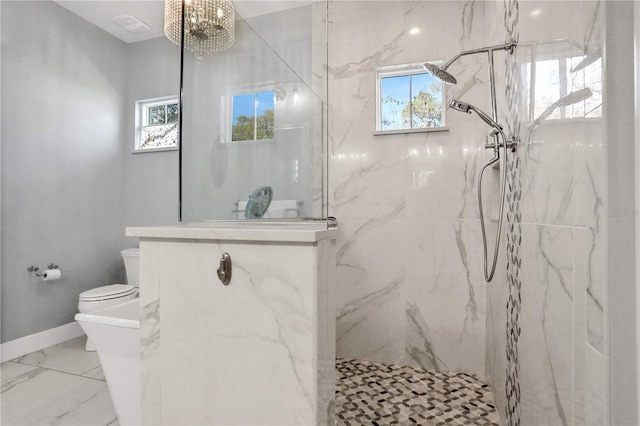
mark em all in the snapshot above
pixel 409 98
pixel 253 116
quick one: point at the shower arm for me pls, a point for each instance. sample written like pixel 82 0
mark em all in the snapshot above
pixel 508 46
pixel 492 80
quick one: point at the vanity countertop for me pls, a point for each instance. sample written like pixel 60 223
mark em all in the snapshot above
pixel 275 233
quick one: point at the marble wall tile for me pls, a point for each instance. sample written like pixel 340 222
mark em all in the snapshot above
pixel 580 273
pixel 370 290
pixel 592 175
pixel 382 185
pixel 421 186
pixel 261 324
pixel 369 176
pixel 150 362
pixel 496 339
pixel 596 388
pixel 369 179
pixel 443 171
pixel 546 342
pixel 325 323
pixel 563 177
pixel 445 318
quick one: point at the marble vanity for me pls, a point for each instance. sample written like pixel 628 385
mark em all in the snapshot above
pixel 258 351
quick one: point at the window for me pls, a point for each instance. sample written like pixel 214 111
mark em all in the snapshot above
pixel 253 116
pixel 408 99
pixel 157 124
pixel 555 82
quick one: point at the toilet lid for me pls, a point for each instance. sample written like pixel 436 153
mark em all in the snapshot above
pixel 107 292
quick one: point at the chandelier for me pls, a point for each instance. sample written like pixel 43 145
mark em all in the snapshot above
pixel 209 24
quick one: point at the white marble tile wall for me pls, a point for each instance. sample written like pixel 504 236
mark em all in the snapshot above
pixel 409 276
pixel 273 324
pixel 409 279
pixel 563 344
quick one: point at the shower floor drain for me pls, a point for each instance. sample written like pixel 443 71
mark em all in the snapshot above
pixel 370 393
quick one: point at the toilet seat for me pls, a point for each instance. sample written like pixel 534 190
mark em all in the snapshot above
pixel 107 292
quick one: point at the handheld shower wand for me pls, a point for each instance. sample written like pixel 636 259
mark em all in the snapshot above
pixel 497 130
pixel 441 73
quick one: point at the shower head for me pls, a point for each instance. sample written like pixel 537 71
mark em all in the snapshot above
pixel 465 107
pixel 460 106
pixel 440 73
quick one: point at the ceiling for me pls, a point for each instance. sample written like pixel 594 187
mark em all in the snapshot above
pixel 150 12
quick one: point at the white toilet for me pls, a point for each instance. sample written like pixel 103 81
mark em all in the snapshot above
pixel 110 295
pixel 116 333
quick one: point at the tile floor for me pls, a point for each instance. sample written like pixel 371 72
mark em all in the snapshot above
pixel 369 393
pixel 64 385
pixel 59 385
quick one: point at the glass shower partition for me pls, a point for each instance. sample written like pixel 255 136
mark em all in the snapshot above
pixel 254 119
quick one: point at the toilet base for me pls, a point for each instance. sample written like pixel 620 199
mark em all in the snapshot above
pixel 89 347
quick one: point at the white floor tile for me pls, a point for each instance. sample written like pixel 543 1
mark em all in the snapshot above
pixel 96 373
pixel 68 357
pixel 39 396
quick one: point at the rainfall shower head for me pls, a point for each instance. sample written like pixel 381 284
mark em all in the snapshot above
pixel 465 107
pixel 440 73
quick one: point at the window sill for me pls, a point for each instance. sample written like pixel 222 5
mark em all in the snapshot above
pixel 142 151
pixel 254 141
pixel 408 131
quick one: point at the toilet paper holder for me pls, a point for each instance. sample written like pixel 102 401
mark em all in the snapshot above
pixel 35 269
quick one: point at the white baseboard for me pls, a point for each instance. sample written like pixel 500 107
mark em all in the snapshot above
pixel 35 342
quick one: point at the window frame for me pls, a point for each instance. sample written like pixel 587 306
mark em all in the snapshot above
pixel 229 121
pixel 559 54
pixel 399 71
pixel 142 115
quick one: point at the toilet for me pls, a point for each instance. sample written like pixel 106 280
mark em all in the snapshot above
pixel 116 333
pixel 110 295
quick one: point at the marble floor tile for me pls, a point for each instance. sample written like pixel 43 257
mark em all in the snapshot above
pixel 12 371
pixel 38 396
pixel 379 393
pixel 67 357
pixel 96 373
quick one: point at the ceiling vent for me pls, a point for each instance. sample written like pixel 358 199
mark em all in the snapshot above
pixel 131 24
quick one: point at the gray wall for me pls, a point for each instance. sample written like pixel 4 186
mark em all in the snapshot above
pixel 63 81
pixel 150 179
pixel 70 183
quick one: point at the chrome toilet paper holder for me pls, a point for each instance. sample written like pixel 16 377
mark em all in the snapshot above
pixel 35 269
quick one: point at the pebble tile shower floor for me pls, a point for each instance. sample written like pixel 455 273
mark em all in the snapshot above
pixel 369 393
pixel 64 385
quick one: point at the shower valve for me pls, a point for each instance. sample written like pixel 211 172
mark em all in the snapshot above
pixel 512 144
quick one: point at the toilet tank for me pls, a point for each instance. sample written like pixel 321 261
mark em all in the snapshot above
pixel 131 259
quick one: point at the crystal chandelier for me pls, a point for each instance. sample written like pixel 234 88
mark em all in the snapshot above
pixel 209 24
